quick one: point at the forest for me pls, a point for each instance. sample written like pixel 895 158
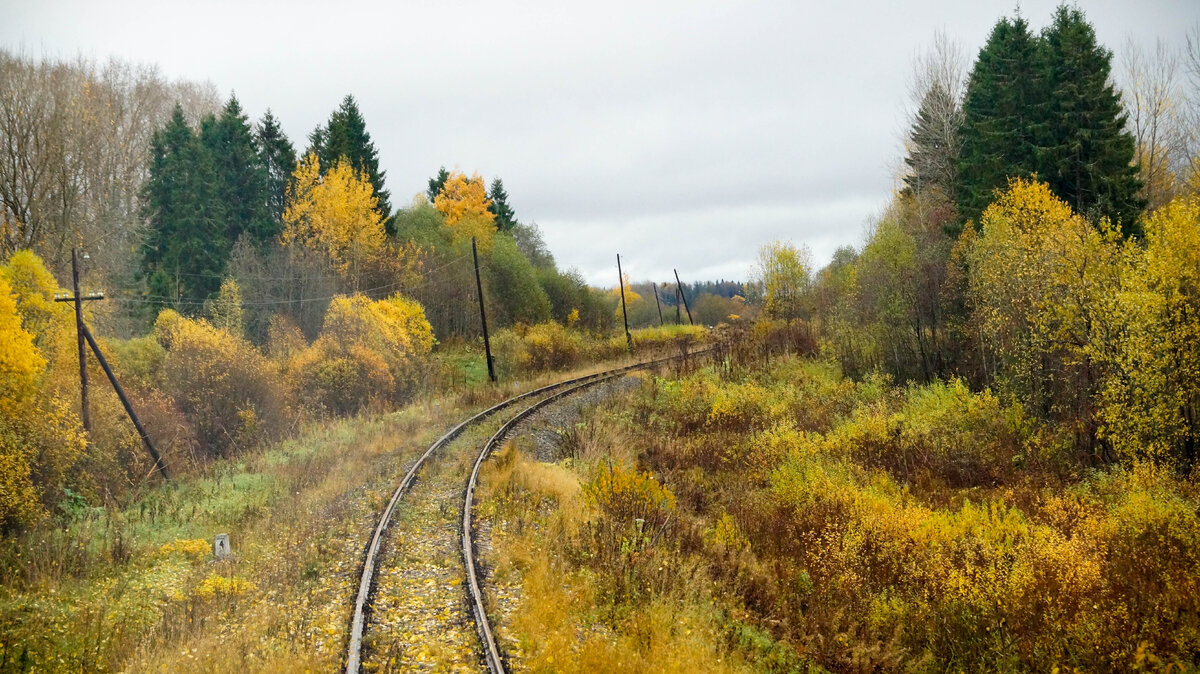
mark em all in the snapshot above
pixel 969 443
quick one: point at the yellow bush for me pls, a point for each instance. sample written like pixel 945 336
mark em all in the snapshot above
pixel 740 407
pixel 215 378
pixel 194 548
pixel 628 495
pixel 341 381
pixel 548 346
pixel 39 437
pixel 51 323
pixel 138 361
pixel 216 585
pixel 367 350
pixel 284 338
pixel 1148 401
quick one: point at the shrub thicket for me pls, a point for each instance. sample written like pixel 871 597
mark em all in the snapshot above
pixel 231 394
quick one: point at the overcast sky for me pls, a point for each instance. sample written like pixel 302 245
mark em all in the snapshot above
pixel 677 134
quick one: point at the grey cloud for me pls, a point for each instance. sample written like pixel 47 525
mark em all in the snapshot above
pixel 681 134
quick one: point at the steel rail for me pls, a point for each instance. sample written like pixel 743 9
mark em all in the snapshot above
pixel 371 557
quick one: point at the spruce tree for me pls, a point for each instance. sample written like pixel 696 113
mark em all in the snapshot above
pixel 436 184
pixel 278 158
pixel 345 136
pixel 1003 109
pixel 186 246
pixel 1085 153
pixel 241 175
pixel 506 219
pixel 934 145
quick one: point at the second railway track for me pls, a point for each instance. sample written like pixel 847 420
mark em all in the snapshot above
pixel 431 576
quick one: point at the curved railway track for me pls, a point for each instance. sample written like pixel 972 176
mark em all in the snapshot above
pixel 362 604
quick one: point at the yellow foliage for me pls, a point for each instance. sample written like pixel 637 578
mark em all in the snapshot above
pixel 1151 345
pixel 785 272
pixel 627 495
pixel 726 534
pixel 214 377
pixel 39 436
pixel 20 361
pixel 216 585
pixel 194 548
pixel 1039 274
pixel 226 310
pixel 464 204
pixel 630 297
pixel 284 337
pixel 20 366
pixel 335 215
pixel 51 323
pixel 367 349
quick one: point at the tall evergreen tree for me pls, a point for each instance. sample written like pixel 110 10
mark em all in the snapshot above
pixel 278 158
pixel 933 145
pixel 506 219
pixel 1003 109
pixel 186 247
pixel 345 135
pixel 241 175
pixel 436 184
pixel 1085 153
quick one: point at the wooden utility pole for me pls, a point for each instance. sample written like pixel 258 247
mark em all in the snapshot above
pixel 85 336
pixel 487 345
pixel 678 301
pixel 654 287
pixel 683 297
pixel 624 316
pixel 84 410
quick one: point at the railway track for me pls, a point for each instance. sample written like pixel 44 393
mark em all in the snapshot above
pixel 372 557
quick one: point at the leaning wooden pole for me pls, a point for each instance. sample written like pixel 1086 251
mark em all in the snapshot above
pixel 683 297
pixel 487 344
pixel 624 316
pixel 162 467
pixel 657 305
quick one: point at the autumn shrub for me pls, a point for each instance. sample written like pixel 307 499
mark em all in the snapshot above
pixel 923 524
pixel 230 393
pixel 1147 539
pixel 342 381
pixel 284 337
pixel 508 351
pixel 540 348
pixel 626 539
pixel 367 350
pixel 52 324
pixel 943 431
pixel 40 440
pixel 1149 343
pixel 138 361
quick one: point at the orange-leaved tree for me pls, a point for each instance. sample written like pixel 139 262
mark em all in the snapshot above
pixel 464 204
pixel 334 215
